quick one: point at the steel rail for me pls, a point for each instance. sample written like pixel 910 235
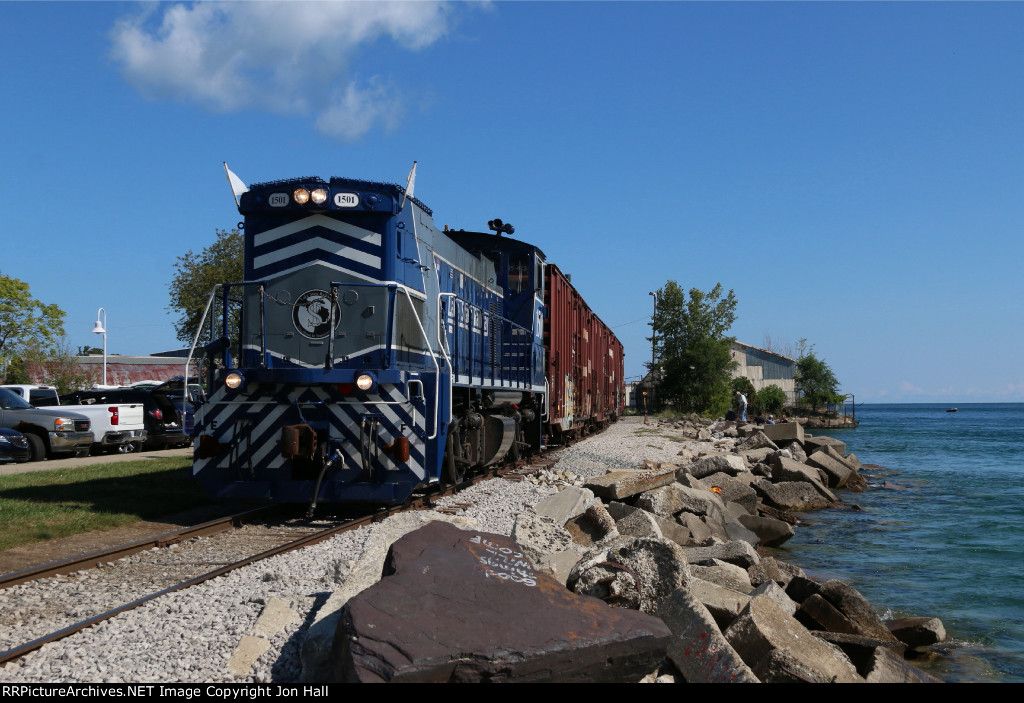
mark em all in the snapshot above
pixel 87 561
pixel 423 502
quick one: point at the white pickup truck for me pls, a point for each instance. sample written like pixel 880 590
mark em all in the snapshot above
pixel 115 428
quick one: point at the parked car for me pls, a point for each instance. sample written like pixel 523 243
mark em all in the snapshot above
pixel 50 431
pixel 13 446
pixel 38 396
pixel 175 389
pixel 115 427
pixel 163 422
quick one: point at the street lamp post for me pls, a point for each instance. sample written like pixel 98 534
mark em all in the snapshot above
pixel 102 329
pixel 654 337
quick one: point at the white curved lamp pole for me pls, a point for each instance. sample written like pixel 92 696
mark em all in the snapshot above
pixel 102 329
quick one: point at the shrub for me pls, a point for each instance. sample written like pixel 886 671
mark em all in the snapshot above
pixel 771 399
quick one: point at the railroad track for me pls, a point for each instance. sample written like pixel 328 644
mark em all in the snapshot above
pixel 135 561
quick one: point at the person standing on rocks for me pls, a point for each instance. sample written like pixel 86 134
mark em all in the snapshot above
pixel 741 400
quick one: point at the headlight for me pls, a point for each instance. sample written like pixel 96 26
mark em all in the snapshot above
pixel 319 196
pixel 62 424
pixel 233 380
pixel 301 196
pixel 4 439
pixel 364 382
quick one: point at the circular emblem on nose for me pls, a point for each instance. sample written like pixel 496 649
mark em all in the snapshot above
pixel 311 314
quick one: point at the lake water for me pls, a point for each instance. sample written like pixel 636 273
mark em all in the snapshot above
pixel 949 542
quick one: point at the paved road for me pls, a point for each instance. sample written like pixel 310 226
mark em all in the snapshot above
pixel 13 468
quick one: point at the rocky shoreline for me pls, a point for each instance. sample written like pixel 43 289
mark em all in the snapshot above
pixel 689 541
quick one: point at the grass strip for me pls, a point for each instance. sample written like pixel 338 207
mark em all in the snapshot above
pixel 41 505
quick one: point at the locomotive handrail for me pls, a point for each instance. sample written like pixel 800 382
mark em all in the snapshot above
pixel 206 312
pixel 433 358
pixel 199 331
pixel 442 342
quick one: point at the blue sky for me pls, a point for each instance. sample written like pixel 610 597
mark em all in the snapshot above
pixel 853 171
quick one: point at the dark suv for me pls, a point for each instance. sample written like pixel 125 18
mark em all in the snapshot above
pixel 163 422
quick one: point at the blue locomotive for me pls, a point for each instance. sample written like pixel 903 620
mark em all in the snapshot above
pixel 368 352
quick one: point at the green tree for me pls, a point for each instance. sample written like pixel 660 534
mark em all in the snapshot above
pixel 55 367
pixel 195 275
pixel 694 357
pixel 25 321
pixel 771 399
pixel 815 380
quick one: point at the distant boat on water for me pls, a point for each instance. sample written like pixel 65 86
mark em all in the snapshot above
pixel 953 410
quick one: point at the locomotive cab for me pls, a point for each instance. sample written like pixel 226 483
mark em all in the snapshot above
pixel 367 352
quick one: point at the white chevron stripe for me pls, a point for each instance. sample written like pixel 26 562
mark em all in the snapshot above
pixel 316 221
pixel 317 244
pixel 267 445
pixel 303 364
pixel 351 451
pixel 304 267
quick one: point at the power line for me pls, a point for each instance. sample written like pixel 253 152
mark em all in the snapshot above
pixel 615 327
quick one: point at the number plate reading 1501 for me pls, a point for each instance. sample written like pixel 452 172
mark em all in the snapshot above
pixel 346 200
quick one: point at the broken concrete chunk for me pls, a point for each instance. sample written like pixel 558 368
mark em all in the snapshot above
pixel 698 647
pixel 795 496
pixel 631 572
pixel 717 463
pixel 800 588
pixel 739 553
pixel 665 501
pixel 816 613
pixel 639 523
pixel 558 565
pixel 888 667
pixel 917 632
pixel 789 470
pixel 771 569
pixel 699 500
pixel 838 473
pixel 856 607
pixel 733 489
pixel 723 603
pixel 539 535
pixel 770 531
pixel 812 444
pixel 757 440
pixel 566 504
pixel 777 594
pixel 593 526
pixel 860 650
pixel 779 649
pixel 724 574
pixel 784 432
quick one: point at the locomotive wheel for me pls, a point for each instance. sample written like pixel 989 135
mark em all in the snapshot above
pixel 452 475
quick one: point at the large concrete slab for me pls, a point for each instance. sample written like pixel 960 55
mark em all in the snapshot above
pixel 784 432
pixel 616 485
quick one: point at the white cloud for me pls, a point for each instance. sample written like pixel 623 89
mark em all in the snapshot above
pixel 908 387
pixel 282 57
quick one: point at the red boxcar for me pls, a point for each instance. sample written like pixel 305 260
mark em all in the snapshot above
pixel 584 363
